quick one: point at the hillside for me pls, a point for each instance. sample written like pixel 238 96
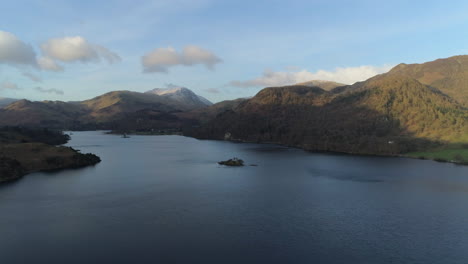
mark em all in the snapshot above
pixel 116 105
pixel 14 135
pixel 50 114
pixel 450 75
pixel 208 113
pixel 388 114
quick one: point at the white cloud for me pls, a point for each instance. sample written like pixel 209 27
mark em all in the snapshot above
pixel 192 55
pixel 52 90
pixel 347 75
pixel 15 52
pixel 161 59
pixel 48 64
pixel 32 77
pixel 71 49
pixel 8 86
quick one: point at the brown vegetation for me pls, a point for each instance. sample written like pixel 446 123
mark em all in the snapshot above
pixel 449 76
pixel 24 151
pixel 386 115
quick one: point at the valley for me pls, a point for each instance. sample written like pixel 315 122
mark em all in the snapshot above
pixel 414 108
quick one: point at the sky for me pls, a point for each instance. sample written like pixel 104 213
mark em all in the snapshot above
pixel 76 50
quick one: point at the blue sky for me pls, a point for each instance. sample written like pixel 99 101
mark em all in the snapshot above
pixel 219 49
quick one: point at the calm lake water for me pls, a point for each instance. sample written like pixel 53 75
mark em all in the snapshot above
pixel 163 199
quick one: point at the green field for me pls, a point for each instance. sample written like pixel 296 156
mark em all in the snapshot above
pixel 454 153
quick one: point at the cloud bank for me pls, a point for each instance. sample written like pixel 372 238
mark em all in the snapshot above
pixel 161 59
pixel 347 75
pixel 52 90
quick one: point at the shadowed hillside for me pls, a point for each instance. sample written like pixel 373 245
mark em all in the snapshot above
pixel 208 113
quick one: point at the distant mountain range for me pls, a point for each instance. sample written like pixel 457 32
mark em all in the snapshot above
pixel 118 109
pixel 412 107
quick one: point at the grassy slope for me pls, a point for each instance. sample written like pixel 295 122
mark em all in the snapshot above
pixel 452 152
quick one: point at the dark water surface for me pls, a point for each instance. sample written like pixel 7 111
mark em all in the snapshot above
pixel 163 199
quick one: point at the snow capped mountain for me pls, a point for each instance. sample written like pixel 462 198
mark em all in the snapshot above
pixel 182 95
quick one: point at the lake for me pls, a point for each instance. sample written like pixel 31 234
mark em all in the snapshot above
pixel 164 199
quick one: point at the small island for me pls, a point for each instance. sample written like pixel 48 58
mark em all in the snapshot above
pixel 235 162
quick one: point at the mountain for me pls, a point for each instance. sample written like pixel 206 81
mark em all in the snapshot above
pixel 388 114
pixel 132 111
pixel 449 75
pixel 325 85
pixel 182 95
pixel 115 105
pixel 6 101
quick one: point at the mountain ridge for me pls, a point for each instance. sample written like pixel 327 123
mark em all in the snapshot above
pixel 448 75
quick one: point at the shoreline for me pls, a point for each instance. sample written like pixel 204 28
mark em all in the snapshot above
pixel 405 155
pixel 17 178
